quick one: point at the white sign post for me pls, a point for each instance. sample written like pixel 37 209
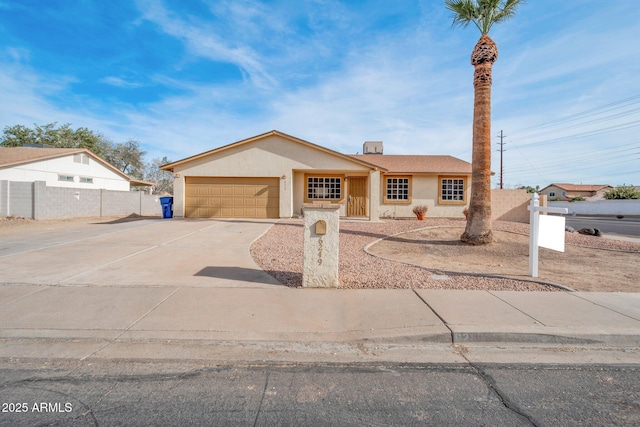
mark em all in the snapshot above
pixel 548 233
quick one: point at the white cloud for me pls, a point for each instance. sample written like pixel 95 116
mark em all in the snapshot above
pixel 120 82
pixel 203 40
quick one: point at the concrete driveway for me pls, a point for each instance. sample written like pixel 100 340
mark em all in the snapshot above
pixel 112 286
pixel 145 252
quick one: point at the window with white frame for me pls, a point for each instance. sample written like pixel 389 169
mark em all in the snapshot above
pixel 324 188
pixel 67 178
pixel 397 189
pixel 452 190
pixel 86 180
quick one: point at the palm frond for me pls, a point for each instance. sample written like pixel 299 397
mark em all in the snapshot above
pixel 482 13
pixel 464 12
pixel 508 10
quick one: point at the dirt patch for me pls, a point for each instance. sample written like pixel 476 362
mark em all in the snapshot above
pixel 13 225
pixel 580 268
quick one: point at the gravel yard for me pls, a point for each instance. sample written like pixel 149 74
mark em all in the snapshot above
pixel 279 252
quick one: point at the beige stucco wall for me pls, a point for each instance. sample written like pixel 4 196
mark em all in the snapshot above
pixel 424 191
pixel 272 156
pixel 558 192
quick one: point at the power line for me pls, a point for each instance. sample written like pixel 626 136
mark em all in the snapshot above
pixel 572 158
pixel 585 113
pixel 583 124
pixel 614 128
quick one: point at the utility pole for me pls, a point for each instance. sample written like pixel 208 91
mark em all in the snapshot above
pixel 502 150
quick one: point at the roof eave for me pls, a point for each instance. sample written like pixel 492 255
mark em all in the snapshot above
pixel 170 166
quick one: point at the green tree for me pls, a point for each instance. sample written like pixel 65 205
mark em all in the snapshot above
pixel 59 137
pixel 530 189
pixel 483 14
pixel 127 157
pixel 622 192
pixel 163 179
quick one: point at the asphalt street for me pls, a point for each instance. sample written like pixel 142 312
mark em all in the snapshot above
pixel 624 226
pixel 142 394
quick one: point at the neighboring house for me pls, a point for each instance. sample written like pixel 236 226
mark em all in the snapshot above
pixel 62 167
pixel 566 192
pixel 273 175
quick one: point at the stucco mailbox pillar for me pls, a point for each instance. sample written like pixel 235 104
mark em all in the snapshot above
pixel 321 238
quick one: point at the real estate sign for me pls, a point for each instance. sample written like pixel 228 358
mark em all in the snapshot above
pixel 551 232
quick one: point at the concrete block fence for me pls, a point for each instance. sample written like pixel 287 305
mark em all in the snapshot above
pixel 601 207
pixel 37 201
pixel 511 205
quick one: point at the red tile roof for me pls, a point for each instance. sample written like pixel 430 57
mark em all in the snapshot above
pixel 580 187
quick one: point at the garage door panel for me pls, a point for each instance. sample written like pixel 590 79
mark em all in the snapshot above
pixel 211 197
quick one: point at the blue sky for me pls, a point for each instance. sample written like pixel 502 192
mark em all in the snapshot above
pixel 183 77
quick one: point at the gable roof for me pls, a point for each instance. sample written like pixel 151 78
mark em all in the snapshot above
pixel 170 166
pixel 15 156
pixel 579 187
pixel 12 156
pixel 417 163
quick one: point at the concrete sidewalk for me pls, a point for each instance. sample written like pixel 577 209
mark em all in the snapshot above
pixel 145 322
pixel 184 289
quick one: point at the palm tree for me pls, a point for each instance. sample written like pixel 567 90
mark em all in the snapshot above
pixel 483 14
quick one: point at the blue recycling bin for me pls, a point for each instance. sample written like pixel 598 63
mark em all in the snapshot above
pixel 167 206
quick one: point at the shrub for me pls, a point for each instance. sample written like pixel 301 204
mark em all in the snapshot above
pixel 420 209
pixel 622 192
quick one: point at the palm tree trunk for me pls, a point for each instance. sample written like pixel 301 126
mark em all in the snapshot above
pixel 478 229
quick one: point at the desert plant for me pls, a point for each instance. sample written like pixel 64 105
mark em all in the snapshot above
pixel 578 199
pixel 420 210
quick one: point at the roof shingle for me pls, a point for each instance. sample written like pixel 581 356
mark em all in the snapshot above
pixel 417 163
pixel 11 156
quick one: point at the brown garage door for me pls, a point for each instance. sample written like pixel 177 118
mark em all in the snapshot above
pixel 212 197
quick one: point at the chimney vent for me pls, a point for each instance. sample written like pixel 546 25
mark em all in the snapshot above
pixel 372 147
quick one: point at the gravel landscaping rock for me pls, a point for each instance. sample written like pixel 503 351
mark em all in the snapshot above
pixel 279 252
